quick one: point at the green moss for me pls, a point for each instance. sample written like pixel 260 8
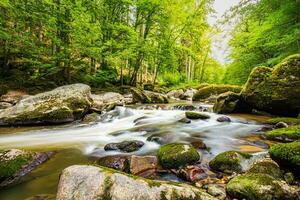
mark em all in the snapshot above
pixel 284 134
pixel 196 115
pixel 228 161
pixel 210 90
pixel 287 155
pixel 107 187
pixel 256 186
pixel 175 155
pixel 288 120
pixel 266 166
pixel 8 167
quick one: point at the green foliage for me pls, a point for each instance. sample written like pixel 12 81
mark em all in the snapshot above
pixel 267 32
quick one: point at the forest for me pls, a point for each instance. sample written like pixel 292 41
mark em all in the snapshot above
pixel 138 41
pixel 149 100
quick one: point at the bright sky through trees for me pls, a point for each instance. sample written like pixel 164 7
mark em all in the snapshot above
pixel 220 44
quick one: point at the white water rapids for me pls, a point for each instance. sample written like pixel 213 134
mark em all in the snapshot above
pixel 133 124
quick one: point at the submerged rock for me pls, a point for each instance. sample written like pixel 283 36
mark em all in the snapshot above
pixel 61 105
pixel 224 119
pixel 192 173
pixel 287 155
pixel 284 134
pixel 196 115
pixel 89 182
pixel 275 90
pixel 15 163
pixel 42 197
pixel 90 118
pixel 125 146
pixel 214 90
pixel 176 155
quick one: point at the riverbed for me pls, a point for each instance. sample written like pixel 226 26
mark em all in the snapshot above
pixel 82 143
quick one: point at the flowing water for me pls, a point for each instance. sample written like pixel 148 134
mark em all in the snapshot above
pixel 78 142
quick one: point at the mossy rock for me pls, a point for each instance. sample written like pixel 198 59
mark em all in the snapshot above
pixel 254 186
pixel 211 90
pixel 12 161
pixel 288 134
pixel 230 102
pixel 287 120
pixel 287 156
pixel 275 90
pixel 229 161
pixel 196 115
pixel 267 166
pixel 175 155
pixel 139 96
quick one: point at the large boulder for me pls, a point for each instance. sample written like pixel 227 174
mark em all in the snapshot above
pixel 214 90
pixel 90 182
pixel 107 101
pixel 15 163
pixel 287 155
pixel 175 94
pixel 61 105
pixel 147 96
pixel 177 155
pixel 230 102
pixel 275 90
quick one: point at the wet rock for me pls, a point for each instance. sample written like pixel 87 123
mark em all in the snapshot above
pixel 260 186
pixel 4 105
pixel 196 115
pixel 42 197
pixel 125 146
pixel 266 166
pixel 185 120
pixel 15 163
pixel 117 162
pixel 289 134
pixel 275 90
pixel 128 99
pixel 175 155
pixel 147 96
pixel 224 119
pixel 184 107
pixel 155 138
pixel 261 144
pixel 281 125
pixel 188 94
pixel 192 173
pixel 61 105
pixel 289 178
pixel 89 182
pixel 199 144
pixel 230 102
pixel 90 118
pixel 214 90
pixel 229 161
pixel 107 101
pixel 217 191
pixel 13 97
pixel 175 94
pixel 287 156
pixel 144 166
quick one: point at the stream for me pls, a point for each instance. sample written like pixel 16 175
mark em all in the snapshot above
pixel 80 143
